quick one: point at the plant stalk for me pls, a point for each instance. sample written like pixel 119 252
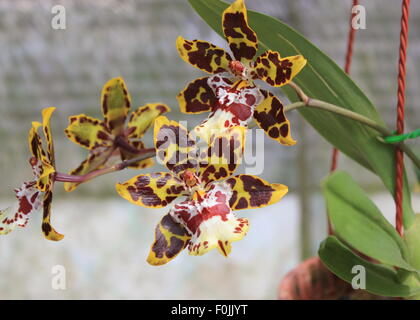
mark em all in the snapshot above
pixel 145 154
pixel 314 103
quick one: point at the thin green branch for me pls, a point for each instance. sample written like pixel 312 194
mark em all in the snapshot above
pixel 318 104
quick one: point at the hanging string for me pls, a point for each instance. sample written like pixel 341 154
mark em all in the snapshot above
pixel 349 55
pixel 400 115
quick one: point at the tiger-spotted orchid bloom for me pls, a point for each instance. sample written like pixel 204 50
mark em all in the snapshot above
pixel 198 96
pixel 111 140
pixel 202 180
pixel 36 194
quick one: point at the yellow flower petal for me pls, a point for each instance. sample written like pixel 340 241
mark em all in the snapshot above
pixel 253 192
pixel 196 97
pixel 241 38
pixel 142 118
pixel 203 55
pixel 153 190
pixel 47 228
pixel 174 147
pixel 46 125
pixel 45 167
pixel 170 239
pixel 220 152
pixel 270 117
pixel 277 71
pixel 88 132
pixel 115 102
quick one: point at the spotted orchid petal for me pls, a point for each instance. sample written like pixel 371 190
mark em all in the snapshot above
pixel 170 239
pixel 115 102
pixel 29 201
pixel 197 97
pixel 242 39
pixel 235 106
pixel 269 115
pixel 277 71
pixel 96 159
pixel 45 167
pixel 235 102
pixel 174 146
pixel 210 221
pixel 49 232
pixel 203 55
pixel 153 190
pixel 220 152
pixel 252 192
pixel 88 132
pixel 142 118
pixel 46 126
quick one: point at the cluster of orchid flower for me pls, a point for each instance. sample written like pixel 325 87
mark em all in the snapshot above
pixel 201 162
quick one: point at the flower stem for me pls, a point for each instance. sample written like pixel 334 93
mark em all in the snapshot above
pixel 122 143
pixel 143 154
pixel 314 103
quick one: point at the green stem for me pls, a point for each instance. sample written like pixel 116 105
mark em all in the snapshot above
pixel 318 104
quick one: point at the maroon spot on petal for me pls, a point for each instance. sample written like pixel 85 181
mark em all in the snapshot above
pixel 274 132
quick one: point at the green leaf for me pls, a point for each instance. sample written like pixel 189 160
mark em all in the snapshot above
pixel 356 220
pixel 380 280
pixel 412 239
pixel 322 79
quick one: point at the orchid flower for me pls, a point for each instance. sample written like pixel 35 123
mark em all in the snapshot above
pixel 198 96
pixel 37 193
pixel 202 180
pixel 111 139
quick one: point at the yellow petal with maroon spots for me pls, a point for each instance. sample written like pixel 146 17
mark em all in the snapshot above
pixel 241 38
pixel 252 192
pixel 174 147
pixel 88 132
pixel 220 152
pixel 96 158
pixel 197 97
pixel 45 180
pixel 47 228
pixel 203 55
pixel 277 71
pixel 139 145
pixel 34 140
pixel 269 115
pixel 153 190
pixel 46 125
pixel 45 169
pixel 170 239
pixel 142 118
pixel 115 102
